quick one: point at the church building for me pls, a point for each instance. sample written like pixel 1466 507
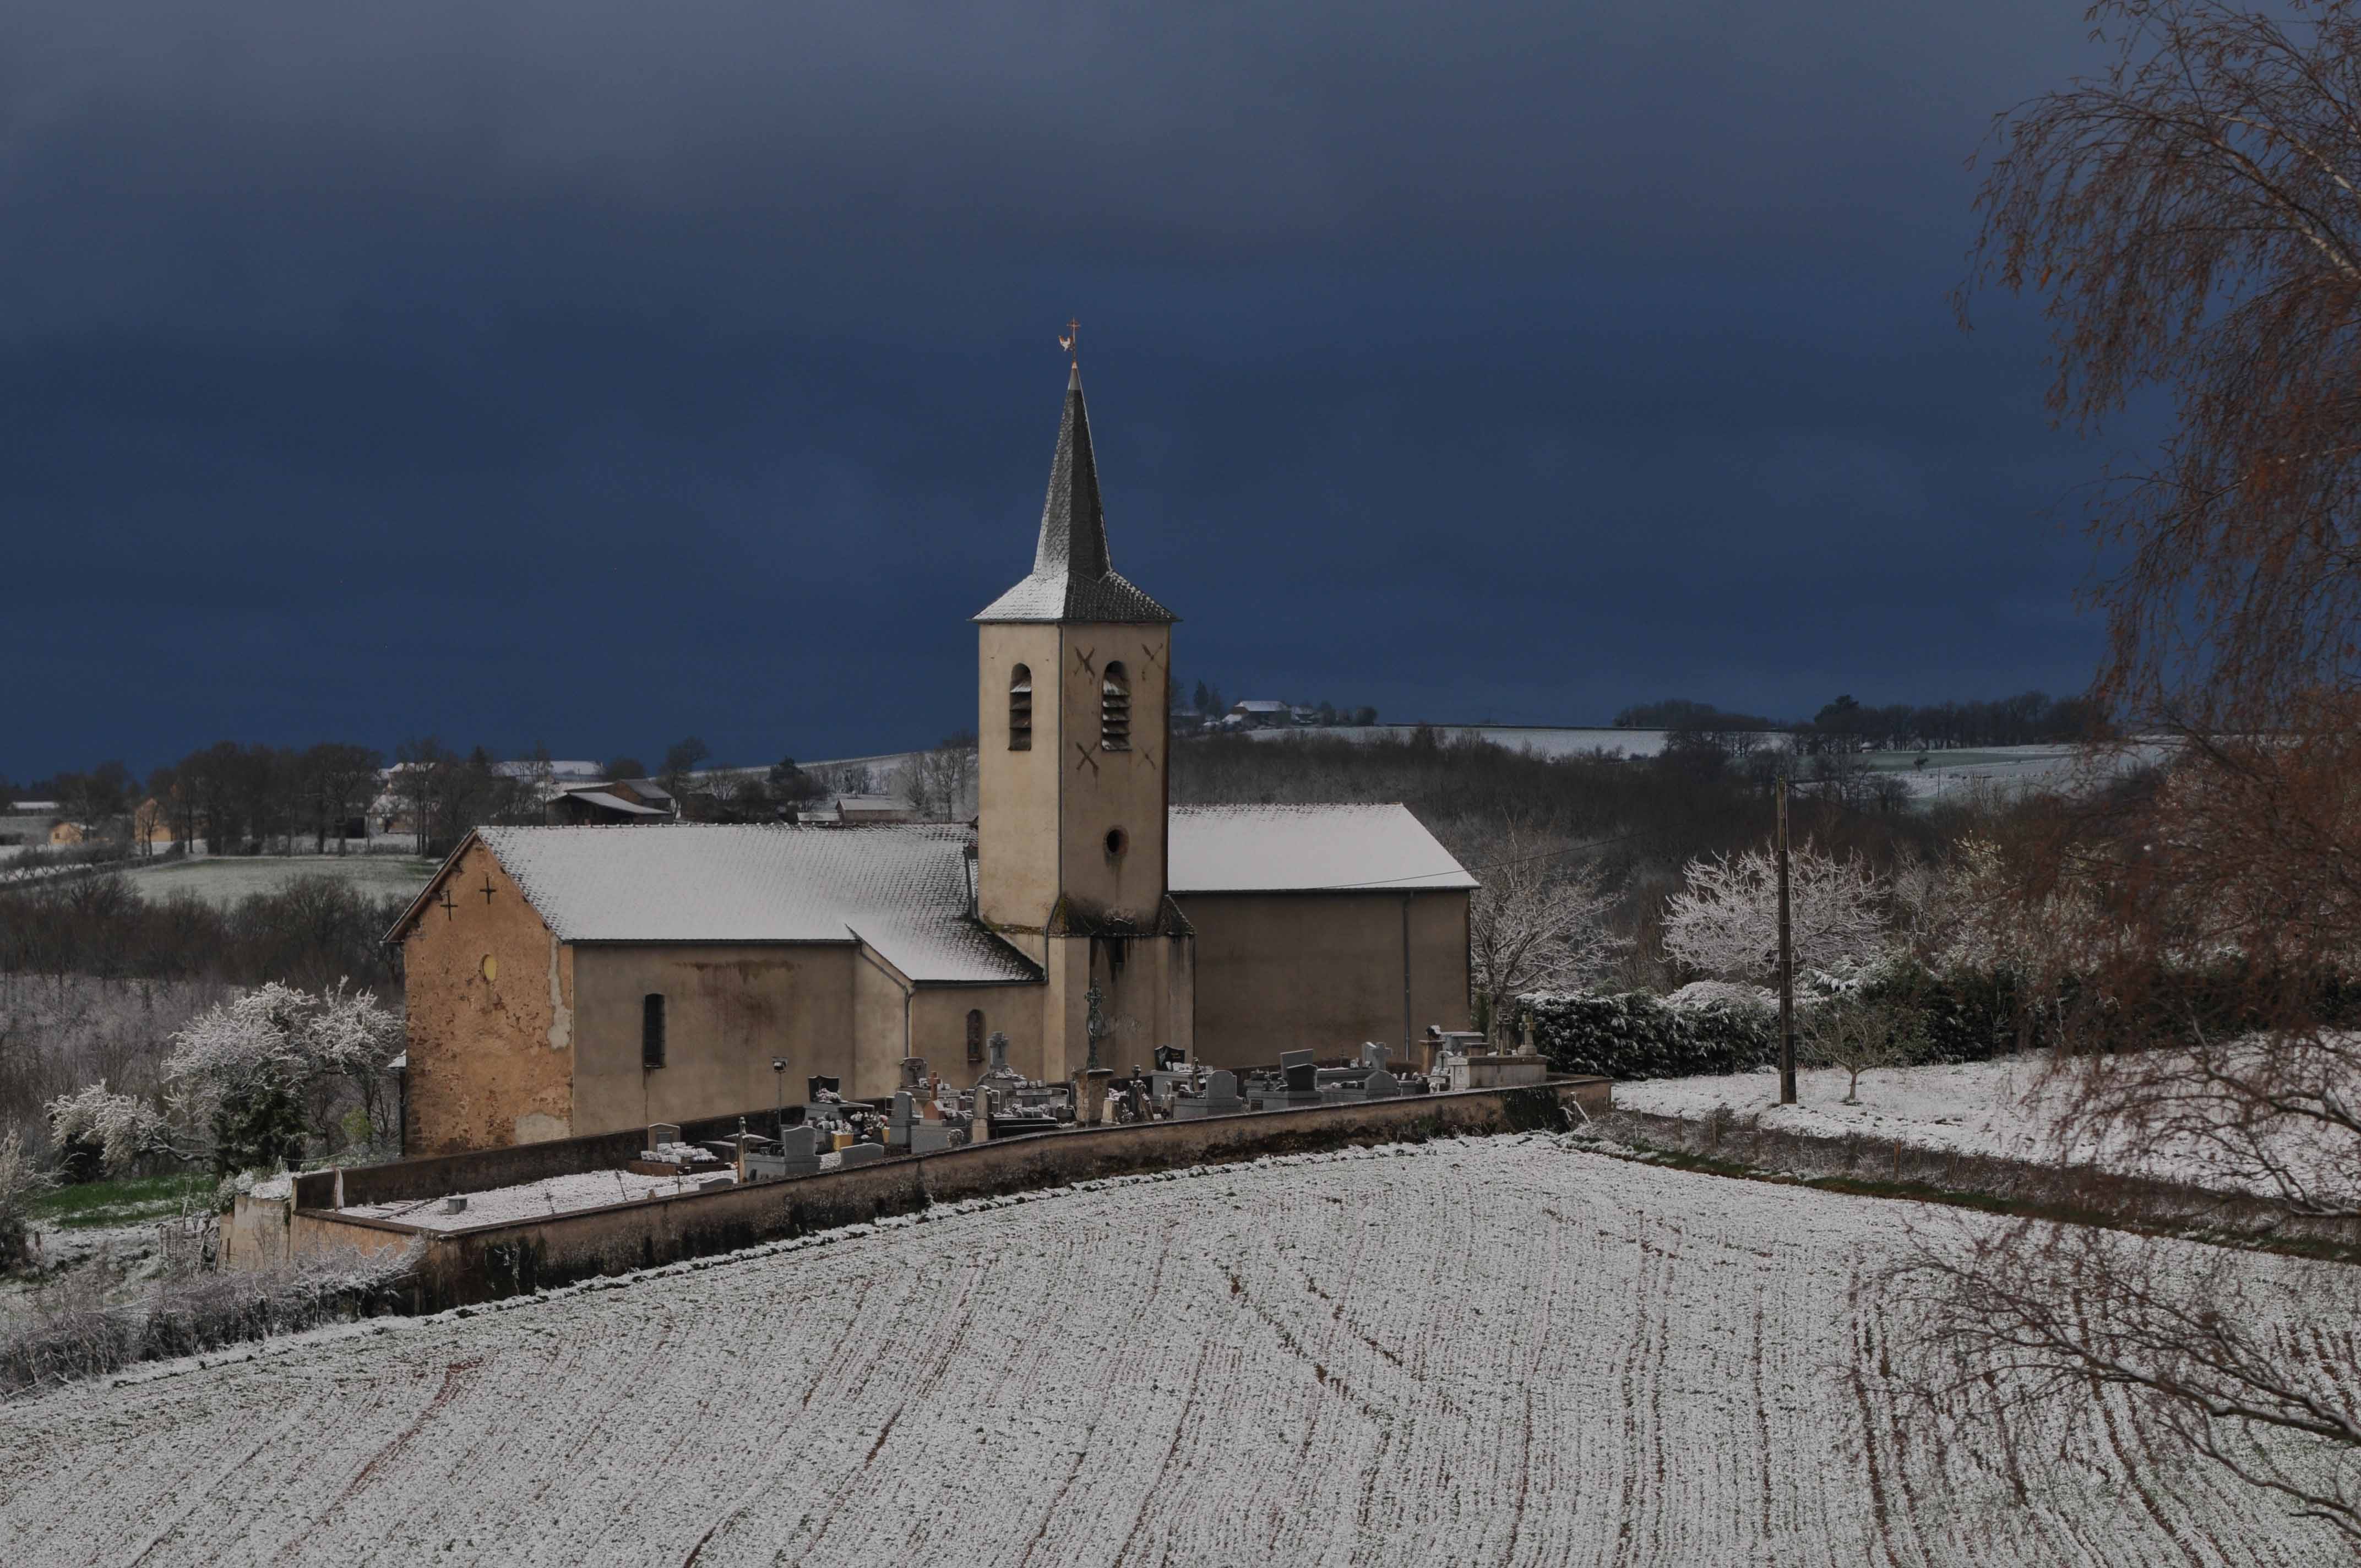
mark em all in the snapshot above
pixel 576 980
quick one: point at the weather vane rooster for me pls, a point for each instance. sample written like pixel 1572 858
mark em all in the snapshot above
pixel 1072 335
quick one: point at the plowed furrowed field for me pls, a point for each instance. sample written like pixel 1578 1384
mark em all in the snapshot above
pixel 1499 1351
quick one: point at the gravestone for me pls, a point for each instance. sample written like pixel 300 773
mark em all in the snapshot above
pixel 1298 1073
pixel 799 1151
pixel 1380 1085
pixel 1222 1094
pixel 859 1154
pixel 1374 1054
pixel 905 1116
pixel 914 1072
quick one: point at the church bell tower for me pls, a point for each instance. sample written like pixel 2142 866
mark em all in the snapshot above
pixel 1074 748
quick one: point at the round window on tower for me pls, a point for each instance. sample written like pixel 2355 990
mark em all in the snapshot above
pixel 1115 841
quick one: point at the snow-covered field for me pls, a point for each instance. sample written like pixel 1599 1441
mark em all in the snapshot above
pixel 1499 1351
pixel 225 881
pixel 1547 741
pixel 2002 1107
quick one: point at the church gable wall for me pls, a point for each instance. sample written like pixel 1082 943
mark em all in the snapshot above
pixel 490 1015
pixel 1323 972
pixel 728 1010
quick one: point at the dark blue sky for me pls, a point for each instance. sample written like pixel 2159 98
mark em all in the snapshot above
pixel 593 374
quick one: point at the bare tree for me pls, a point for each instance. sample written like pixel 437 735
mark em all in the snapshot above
pixel 1859 1023
pixel 2188 219
pixel 1538 923
pixel 938 784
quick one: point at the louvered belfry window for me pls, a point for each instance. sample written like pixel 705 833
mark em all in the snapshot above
pixel 1115 709
pixel 1020 709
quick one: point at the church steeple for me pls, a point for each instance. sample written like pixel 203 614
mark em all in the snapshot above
pixel 1072 580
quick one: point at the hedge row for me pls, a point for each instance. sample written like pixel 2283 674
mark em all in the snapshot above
pixel 1969 1018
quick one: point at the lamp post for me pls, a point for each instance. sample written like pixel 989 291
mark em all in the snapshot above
pixel 779 1069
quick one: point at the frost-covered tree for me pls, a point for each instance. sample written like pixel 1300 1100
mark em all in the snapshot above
pixel 22 1179
pixel 272 1067
pixel 100 1131
pixel 1726 921
pixel 1539 923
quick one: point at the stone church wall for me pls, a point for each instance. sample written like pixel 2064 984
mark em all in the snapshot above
pixel 728 1010
pixel 1323 972
pixel 490 1018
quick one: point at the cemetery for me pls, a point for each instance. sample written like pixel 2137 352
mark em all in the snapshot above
pixel 498 1222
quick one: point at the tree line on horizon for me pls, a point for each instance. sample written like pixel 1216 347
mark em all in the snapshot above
pixel 2028 718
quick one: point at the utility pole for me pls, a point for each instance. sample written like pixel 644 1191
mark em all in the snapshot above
pixel 1786 965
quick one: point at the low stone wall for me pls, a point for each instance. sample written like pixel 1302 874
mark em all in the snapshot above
pixel 2077 1192
pixel 460 1267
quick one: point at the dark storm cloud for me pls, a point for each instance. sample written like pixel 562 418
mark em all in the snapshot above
pixel 592 373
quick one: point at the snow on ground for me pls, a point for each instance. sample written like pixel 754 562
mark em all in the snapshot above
pixel 534 1199
pixel 1499 1351
pixel 540 1200
pixel 2002 1107
pixel 223 880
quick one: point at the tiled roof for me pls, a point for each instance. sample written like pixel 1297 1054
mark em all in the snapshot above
pixel 1072 578
pixel 903 890
pixel 1307 848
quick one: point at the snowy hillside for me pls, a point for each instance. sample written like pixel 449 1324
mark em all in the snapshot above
pixel 1499 1351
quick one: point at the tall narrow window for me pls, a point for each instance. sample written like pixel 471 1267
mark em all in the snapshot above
pixel 1020 709
pixel 1115 709
pixel 652 1030
pixel 974 1034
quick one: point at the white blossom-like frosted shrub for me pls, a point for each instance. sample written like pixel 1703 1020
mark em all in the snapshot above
pixel 278 1046
pixel 121 1128
pixel 1726 921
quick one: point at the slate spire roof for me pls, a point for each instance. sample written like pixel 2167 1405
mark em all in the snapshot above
pixel 1072 580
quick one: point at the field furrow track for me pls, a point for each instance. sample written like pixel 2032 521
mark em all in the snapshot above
pixel 1503 1351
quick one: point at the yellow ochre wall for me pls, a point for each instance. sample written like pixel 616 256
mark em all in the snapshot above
pixel 728 1009
pixel 491 1059
pixel 1323 972
pixel 1125 790
pixel 1016 792
pixel 1046 812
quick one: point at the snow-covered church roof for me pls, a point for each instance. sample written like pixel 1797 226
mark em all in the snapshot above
pixel 1307 848
pixel 1074 579
pixel 903 890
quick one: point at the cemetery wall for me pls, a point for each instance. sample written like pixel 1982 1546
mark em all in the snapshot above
pixel 462 1266
pixel 1279 972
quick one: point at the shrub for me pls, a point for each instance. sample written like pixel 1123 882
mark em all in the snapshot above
pixel 72 1330
pixel 1638 1035
pixel 21 1181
